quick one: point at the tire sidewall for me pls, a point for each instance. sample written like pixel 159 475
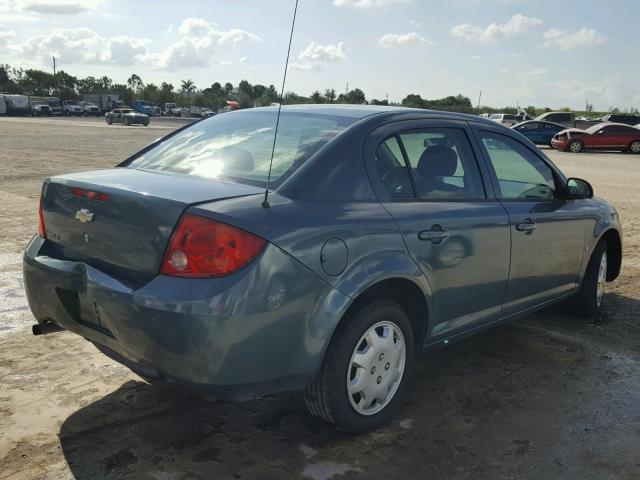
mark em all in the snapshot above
pixel 345 417
pixel 588 296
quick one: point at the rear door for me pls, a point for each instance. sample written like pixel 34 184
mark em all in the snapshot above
pixel 427 177
pixel 547 231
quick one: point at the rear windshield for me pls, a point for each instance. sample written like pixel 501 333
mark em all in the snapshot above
pixel 237 145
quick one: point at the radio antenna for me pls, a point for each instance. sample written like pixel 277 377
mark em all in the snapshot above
pixel 265 203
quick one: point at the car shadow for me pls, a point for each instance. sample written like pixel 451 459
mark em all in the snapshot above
pixel 518 399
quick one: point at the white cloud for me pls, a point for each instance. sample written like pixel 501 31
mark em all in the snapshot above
pixel 200 45
pixel 515 25
pixel 79 45
pixel 82 46
pixel 395 39
pixel 243 60
pixel 123 50
pixel 568 41
pixel 6 36
pixel 49 7
pixel 367 3
pixel 316 55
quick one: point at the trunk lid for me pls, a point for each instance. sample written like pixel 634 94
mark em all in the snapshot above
pixel 126 234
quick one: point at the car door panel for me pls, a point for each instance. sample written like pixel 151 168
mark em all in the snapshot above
pixel 547 232
pixel 461 245
pixel 462 248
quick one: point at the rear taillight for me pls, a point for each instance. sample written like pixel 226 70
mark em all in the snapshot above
pixel 204 248
pixel 42 231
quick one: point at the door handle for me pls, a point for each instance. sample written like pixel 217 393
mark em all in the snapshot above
pixel 527 226
pixel 435 235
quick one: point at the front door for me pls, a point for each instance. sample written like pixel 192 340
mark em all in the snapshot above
pixel 547 231
pixel 455 232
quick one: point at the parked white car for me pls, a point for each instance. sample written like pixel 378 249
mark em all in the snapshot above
pixel 505 119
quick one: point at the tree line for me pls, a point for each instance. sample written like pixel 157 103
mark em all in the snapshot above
pixel 34 82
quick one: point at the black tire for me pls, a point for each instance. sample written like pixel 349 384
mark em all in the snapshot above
pixel 586 300
pixel 109 121
pixel 634 147
pixel 575 146
pixel 126 121
pixel 328 398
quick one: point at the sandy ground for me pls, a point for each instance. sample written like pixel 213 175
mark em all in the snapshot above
pixel 548 397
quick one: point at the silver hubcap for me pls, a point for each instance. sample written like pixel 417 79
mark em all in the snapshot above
pixel 376 368
pixel 635 147
pixel 602 278
pixel 575 147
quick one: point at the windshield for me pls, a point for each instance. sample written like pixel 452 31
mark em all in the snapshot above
pixel 238 145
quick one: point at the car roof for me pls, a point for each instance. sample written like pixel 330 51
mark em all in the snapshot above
pixel 363 111
pixel 541 121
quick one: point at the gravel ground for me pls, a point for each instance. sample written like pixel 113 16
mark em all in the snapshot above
pixel 547 397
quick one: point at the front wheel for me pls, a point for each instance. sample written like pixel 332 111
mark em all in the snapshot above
pixel 575 146
pixel 635 147
pixel 109 121
pixel 365 369
pixel 588 300
pixel 126 122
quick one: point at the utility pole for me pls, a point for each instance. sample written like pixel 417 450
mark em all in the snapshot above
pixel 346 90
pixel 479 98
pixel 55 83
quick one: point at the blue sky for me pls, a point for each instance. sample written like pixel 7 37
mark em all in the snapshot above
pixel 543 53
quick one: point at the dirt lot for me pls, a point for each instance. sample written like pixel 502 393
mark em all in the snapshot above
pixel 548 397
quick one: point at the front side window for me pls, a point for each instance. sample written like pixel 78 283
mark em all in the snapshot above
pixel 237 146
pixel 520 173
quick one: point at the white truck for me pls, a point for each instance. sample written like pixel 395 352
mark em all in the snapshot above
pixel 71 107
pixel 105 101
pixel 89 108
pixel 173 110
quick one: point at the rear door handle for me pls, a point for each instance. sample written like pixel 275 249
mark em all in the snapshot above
pixel 435 235
pixel 527 226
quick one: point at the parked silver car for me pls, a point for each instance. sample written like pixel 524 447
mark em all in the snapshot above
pixel 126 116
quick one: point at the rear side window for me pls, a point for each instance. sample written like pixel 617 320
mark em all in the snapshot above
pixel 520 174
pixel 237 146
pixel 392 170
pixel 437 162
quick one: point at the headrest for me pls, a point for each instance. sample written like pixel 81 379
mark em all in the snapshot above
pixel 438 161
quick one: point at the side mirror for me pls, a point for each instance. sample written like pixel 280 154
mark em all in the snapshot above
pixel 578 189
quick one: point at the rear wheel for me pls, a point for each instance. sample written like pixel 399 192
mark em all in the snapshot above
pixel 591 295
pixel 575 146
pixel 109 121
pixel 365 369
pixel 634 147
pixel 126 122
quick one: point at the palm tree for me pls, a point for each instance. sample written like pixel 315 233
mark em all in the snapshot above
pixel 188 86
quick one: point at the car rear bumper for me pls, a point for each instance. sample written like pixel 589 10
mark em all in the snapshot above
pixel 263 329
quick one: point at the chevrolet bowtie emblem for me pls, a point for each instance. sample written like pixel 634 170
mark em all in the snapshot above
pixel 84 216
